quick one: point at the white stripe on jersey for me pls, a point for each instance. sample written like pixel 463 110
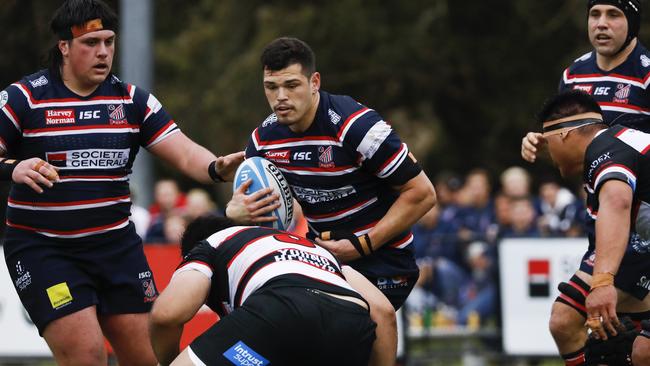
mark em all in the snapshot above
pixel 321 173
pixel 395 163
pixel 596 79
pixel 373 139
pixel 195 266
pixel 592 214
pixel 11 118
pixel 91 179
pixel 172 129
pixel 298 143
pixel 631 178
pixel 81 132
pixel 279 268
pixel 76 235
pixel 132 90
pixel 351 122
pixel 65 206
pixel 73 103
pixel 638 140
pixel 342 214
pixel 154 106
pixel 623 110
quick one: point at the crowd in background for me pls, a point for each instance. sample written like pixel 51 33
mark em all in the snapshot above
pixel 165 220
pixel 456 242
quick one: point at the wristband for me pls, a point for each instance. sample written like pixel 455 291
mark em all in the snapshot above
pixel 212 171
pixel 361 243
pixel 7 167
pixel 601 280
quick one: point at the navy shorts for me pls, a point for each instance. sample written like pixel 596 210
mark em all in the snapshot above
pixel 55 278
pixel 633 275
pixel 288 326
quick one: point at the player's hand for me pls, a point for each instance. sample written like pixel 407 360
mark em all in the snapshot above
pixel 249 209
pixel 601 311
pixel 35 172
pixel 342 249
pixel 227 165
pixel 529 145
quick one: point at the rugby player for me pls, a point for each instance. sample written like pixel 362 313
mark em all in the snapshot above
pixel 616 73
pixel 69 135
pixel 282 300
pixel 612 280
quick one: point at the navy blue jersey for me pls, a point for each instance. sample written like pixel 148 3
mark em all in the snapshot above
pixel 618 153
pixel 622 93
pixel 93 140
pixel 342 169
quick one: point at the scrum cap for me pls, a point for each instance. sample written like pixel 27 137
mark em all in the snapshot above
pixel 632 11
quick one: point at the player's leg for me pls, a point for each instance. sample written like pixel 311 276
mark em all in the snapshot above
pixel 126 295
pixel 129 337
pixel 76 339
pixel 384 349
pixel 641 348
pixel 568 315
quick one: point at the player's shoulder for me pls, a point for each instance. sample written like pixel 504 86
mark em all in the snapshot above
pixel 340 106
pixel 585 63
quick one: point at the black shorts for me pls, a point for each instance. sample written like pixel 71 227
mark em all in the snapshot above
pixel 633 274
pixel 288 326
pixel 55 278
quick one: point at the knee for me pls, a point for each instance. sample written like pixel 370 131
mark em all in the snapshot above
pixel 564 326
pixel 383 312
pixel 88 354
pixel 641 351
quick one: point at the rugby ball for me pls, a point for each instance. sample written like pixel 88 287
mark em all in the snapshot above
pixel 265 174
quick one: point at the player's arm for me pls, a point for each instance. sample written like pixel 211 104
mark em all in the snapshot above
pixel 175 306
pixel 194 160
pixel 612 234
pixel 384 349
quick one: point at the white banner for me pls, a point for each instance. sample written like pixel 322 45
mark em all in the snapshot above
pixel 18 335
pixel 530 271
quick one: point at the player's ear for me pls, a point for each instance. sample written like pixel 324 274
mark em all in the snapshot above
pixel 314 80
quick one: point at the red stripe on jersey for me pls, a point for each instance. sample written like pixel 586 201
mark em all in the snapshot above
pixel 64 204
pixel 243 246
pixel 622 131
pixel 67 232
pixel 584 76
pixel 365 227
pixel 623 105
pixel 392 158
pixel 117 99
pixel 347 121
pixel 599 171
pixel 78 128
pixel 332 169
pixel 163 129
pixel 404 240
pixel 645 150
pixel 338 212
pixel 13 114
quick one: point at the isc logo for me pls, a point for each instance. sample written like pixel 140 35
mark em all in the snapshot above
pixel 302 155
pixel 88 114
pixel 602 90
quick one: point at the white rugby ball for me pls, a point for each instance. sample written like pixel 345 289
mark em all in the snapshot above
pixel 264 174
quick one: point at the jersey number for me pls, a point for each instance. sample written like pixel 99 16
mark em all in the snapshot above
pixel 292 239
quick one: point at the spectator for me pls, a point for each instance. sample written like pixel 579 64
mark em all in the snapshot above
pixel 523 221
pixel 554 201
pixel 477 213
pixel 167 197
pixel 480 294
pixel 199 203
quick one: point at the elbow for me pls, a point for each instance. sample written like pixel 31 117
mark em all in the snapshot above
pixel 429 197
pixel 162 315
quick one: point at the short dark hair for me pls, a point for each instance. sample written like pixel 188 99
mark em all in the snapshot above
pixel 77 12
pixel 286 51
pixel 567 103
pixel 201 228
